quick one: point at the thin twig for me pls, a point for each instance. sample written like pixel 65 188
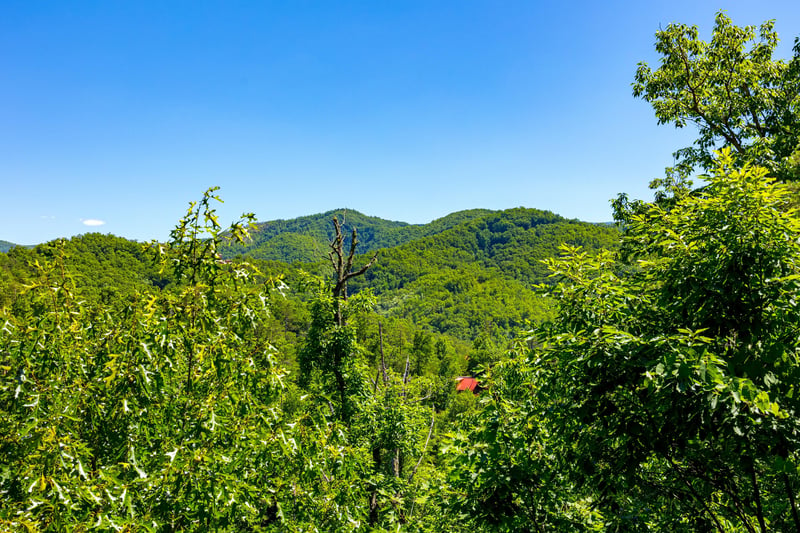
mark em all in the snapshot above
pixel 383 359
pixel 424 448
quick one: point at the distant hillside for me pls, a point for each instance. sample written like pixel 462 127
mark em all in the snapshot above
pixel 6 246
pixel 513 241
pixel 469 274
pixel 103 267
pixel 305 239
pixel 463 274
pixel 479 274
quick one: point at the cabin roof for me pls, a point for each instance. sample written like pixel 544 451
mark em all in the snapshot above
pixel 466 383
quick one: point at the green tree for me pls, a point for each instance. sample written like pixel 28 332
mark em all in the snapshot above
pixel 663 394
pixel 386 429
pixel 159 416
pixel 733 90
pixel 422 351
pixel 331 347
pixel 484 352
pixel 164 414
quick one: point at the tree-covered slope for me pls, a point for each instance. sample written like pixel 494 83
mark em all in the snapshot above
pixel 305 239
pixel 468 274
pixel 477 277
pixel 6 246
pixel 102 267
pixel 513 242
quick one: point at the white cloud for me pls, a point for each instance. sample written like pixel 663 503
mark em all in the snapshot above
pixel 92 222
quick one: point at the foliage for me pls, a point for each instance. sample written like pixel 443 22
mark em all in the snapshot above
pixel 504 473
pixel 305 239
pixel 662 395
pixel 105 268
pixel 330 355
pixel 384 421
pixel 732 89
pixel 162 416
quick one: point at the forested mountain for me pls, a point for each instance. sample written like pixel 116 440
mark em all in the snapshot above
pixel 466 274
pixel 103 268
pixel 305 239
pixel 448 299
pixel 466 278
pixel 6 246
pixel 512 243
pixel 477 277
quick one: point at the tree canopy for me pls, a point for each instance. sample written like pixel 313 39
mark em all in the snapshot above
pixel 663 394
pixel 733 90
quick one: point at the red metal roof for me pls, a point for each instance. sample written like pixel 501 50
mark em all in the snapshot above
pixel 466 384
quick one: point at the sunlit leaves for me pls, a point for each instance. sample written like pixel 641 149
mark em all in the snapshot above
pixel 662 395
pixel 160 415
pixel 731 89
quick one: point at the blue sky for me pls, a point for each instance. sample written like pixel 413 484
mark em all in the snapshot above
pixel 116 114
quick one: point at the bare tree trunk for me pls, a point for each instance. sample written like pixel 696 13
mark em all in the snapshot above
pixel 792 502
pixel 343 266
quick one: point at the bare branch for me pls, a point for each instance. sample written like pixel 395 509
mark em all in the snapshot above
pixel 424 448
pixel 383 359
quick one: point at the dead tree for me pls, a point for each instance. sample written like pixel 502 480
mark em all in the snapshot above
pixel 343 266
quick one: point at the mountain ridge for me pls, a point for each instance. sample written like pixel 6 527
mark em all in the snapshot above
pixel 468 273
pixel 305 239
pixel 6 246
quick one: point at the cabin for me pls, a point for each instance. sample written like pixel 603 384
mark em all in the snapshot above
pixel 468 383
